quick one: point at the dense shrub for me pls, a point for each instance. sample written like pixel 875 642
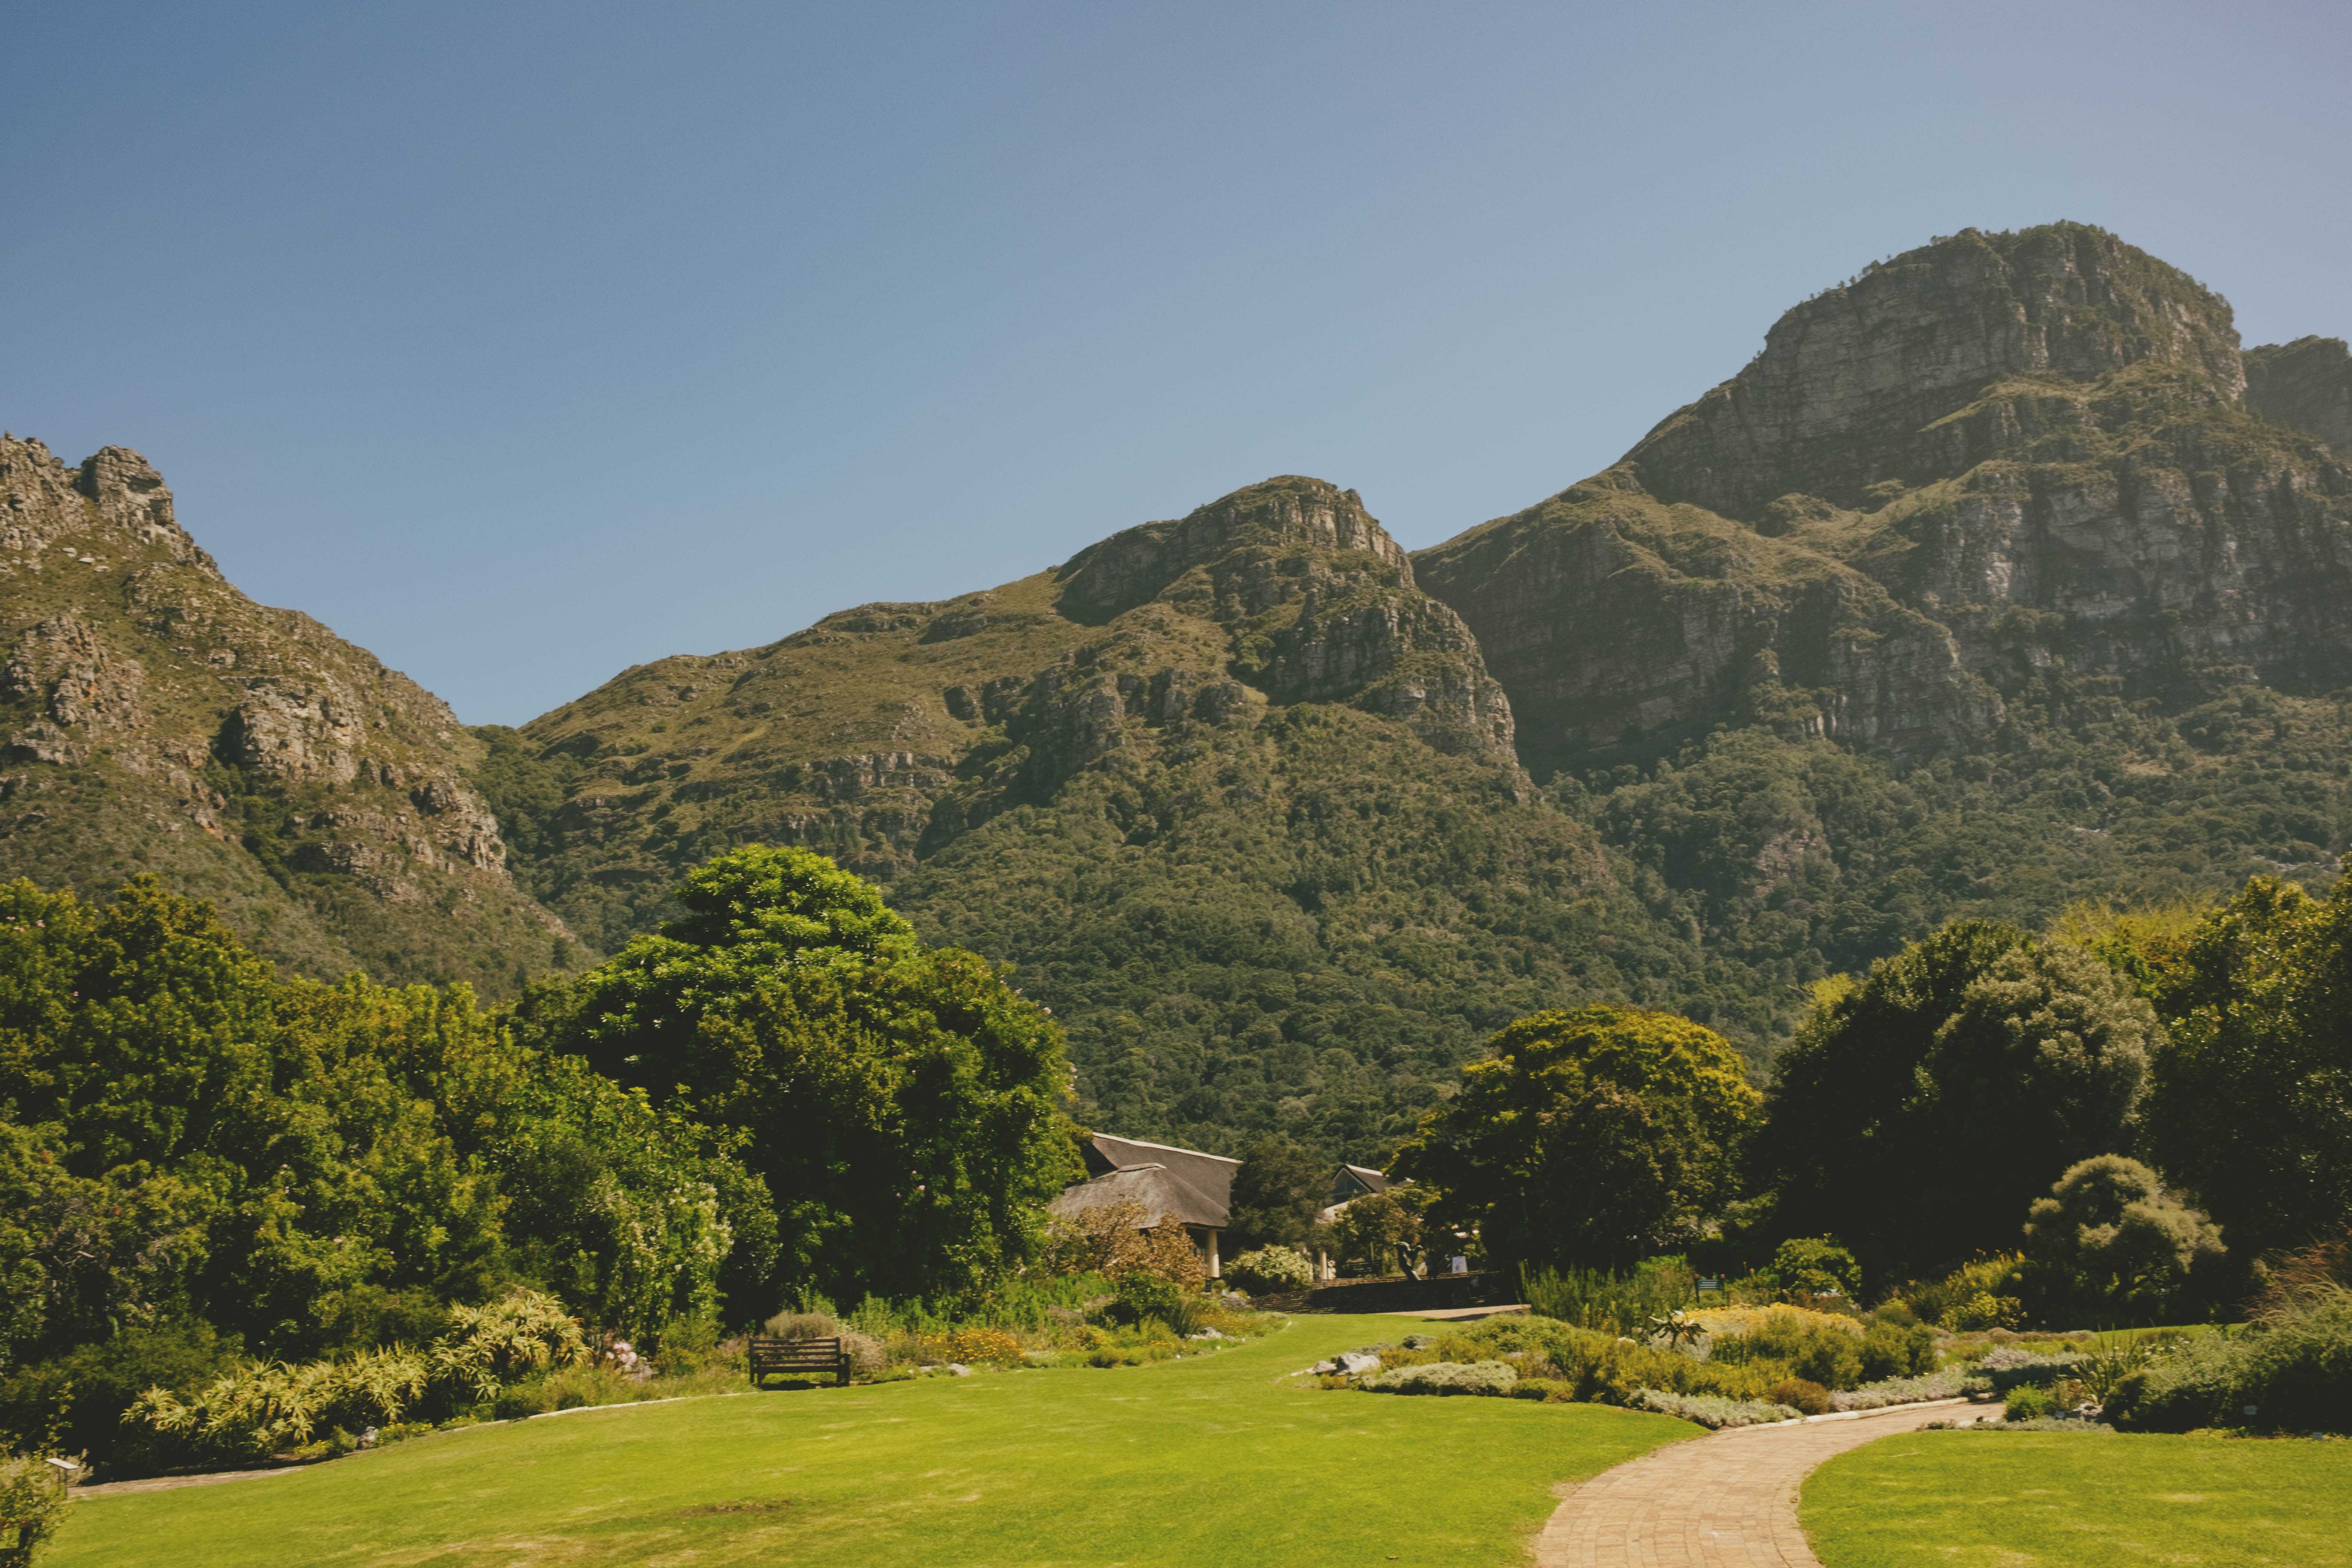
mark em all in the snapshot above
pixel 1117 1240
pixel 1811 1345
pixel 1442 1377
pixel 1986 1292
pixel 1609 1301
pixel 1806 1267
pixel 2029 1402
pixel 1891 1350
pixel 2198 1384
pixel 1145 1297
pixel 2115 1239
pixel 973 1345
pixel 1801 1394
pixel 1271 1270
pixel 803 1325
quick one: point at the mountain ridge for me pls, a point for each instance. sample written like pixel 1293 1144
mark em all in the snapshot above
pixel 2001 576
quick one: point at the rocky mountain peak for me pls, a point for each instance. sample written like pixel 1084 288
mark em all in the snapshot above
pixel 155 718
pixel 115 497
pixel 1137 564
pixel 1847 376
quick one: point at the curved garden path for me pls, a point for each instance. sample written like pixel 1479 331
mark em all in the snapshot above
pixel 1725 1501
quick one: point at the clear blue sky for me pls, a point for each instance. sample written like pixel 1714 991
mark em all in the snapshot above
pixel 521 343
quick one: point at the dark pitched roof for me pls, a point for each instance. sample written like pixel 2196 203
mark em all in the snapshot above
pixel 1164 1193
pixel 1354 1181
pixel 1210 1175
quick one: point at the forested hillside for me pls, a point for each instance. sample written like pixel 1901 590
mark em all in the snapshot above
pixel 2001 578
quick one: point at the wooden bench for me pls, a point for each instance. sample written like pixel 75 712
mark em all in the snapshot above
pixel 796 1358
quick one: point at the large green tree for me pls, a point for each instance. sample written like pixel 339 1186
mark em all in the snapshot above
pixel 1277 1193
pixel 901 1104
pixel 2252 1107
pixel 199 1157
pixel 1919 1114
pixel 1593 1136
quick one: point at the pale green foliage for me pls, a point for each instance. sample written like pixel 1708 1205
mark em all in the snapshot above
pixel 267 1406
pixel 1607 1300
pixel 264 1407
pixel 520 1333
pixel 1271 1268
pixel 1442 1377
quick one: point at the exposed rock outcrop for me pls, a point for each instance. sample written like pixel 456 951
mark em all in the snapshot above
pixel 1981 457
pixel 2308 385
pixel 169 723
pixel 883 733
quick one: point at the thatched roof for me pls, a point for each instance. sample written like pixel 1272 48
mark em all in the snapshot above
pixel 1169 1184
pixel 1163 1196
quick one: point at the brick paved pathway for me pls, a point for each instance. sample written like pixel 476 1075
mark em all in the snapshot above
pixel 1725 1501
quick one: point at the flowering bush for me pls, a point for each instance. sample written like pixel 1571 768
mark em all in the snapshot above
pixel 1111 1241
pixel 973 1345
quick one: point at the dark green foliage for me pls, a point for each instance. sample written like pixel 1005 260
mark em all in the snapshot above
pixel 2115 1237
pixel 1919 1114
pixel 1139 1297
pixel 1301 928
pixel 900 1102
pixel 1812 1265
pixel 1593 1137
pixel 1621 1304
pixel 1898 1350
pixel 200 1158
pixel 1277 1193
pixel 2252 1107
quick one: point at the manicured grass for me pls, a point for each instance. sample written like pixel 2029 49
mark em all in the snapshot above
pixel 2057 1500
pixel 1211 1461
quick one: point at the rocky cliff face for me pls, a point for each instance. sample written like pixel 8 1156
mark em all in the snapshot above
pixel 157 719
pixel 2306 385
pixel 882 733
pixel 1986 456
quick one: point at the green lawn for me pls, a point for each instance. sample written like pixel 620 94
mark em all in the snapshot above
pixel 1210 1462
pixel 2054 1499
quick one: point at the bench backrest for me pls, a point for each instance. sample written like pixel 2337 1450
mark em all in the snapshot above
pixel 766 1352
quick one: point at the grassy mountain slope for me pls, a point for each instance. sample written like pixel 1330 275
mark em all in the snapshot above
pixel 157 720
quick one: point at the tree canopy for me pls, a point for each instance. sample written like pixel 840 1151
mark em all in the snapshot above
pixel 902 1103
pixel 2251 1107
pixel 1917 1114
pixel 1595 1137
